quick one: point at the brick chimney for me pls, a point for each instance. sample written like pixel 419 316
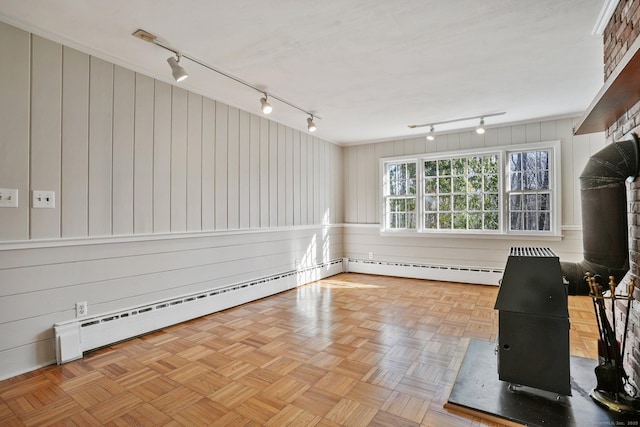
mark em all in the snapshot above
pixel 619 35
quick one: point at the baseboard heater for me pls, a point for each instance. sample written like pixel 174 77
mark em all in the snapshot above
pixel 474 275
pixel 74 337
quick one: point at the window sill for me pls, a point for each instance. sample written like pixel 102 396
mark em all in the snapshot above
pixel 471 235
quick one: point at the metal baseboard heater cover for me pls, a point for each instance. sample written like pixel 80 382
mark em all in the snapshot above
pixel 76 336
pixel 446 273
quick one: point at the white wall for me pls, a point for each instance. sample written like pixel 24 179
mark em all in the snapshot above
pixel 362 198
pixel 160 192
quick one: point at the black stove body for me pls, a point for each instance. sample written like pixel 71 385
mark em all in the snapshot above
pixel 533 340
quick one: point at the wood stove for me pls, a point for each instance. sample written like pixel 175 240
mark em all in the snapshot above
pixel 533 340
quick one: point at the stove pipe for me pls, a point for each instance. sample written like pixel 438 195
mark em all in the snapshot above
pixel 605 234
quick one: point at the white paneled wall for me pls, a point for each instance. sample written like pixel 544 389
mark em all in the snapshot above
pixel 159 192
pixel 362 197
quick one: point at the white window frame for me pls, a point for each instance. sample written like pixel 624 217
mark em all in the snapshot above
pixel 503 185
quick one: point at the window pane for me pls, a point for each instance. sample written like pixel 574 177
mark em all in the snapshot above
pixel 444 203
pixel 530 201
pixel 491 183
pixel 544 221
pixel 490 164
pixel 531 221
pixel 530 160
pixel 490 202
pixel 430 168
pixel 444 167
pixel 543 160
pixel 430 203
pixel 515 202
pixel 530 181
pixel 460 202
pixel 444 221
pixel 475 183
pixel 475 202
pixel 475 221
pixel 410 205
pixel 491 221
pixel 430 221
pixel 543 202
pixel 459 184
pixel 516 182
pixel 411 186
pixel 430 185
pixel 515 162
pixel 543 180
pixel 444 185
pixel 515 221
pixel 411 220
pixel 459 221
pixel 459 167
pixel 475 165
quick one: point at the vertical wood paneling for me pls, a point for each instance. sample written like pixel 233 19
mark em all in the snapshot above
pixel 125 106
pixel 100 147
pixel 533 132
pixel 518 134
pixel 465 140
pixel 254 172
pixel 222 114
pixel 194 163
pixel 282 176
pixel 233 171
pixel 264 173
pixel 74 197
pixel 179 112
pixel 362 178
pixel 504 135
pixel 373 186
pixel 491 137
pixel 322 168
pixel 14 122
pixel 304 220
pixel 245 169
pixel 162 158
pixel 273 174
pixel 350 182
pixel 311 168
pixel 548 131
pixel 316 180
pixel 208 163
pixel 288 141
pixel 46 101
pixel 296 178
pixel 568 175
pixel 144 154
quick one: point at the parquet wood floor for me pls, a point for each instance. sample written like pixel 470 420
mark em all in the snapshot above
pixel 351 350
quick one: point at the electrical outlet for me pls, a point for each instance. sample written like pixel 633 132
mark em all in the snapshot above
pixel 8 197
pixel 370 255
pixel 81 309
pixel 44 199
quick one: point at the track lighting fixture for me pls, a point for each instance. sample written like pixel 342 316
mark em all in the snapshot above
pixel 431 135
pixel 480 129
pixel 310 125
pixel 265 106
pixel 178 72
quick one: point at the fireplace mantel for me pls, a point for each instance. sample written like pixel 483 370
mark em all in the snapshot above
pixel 620 92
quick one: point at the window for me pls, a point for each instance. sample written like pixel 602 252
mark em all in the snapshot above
pixel 498 191
pixel 400 195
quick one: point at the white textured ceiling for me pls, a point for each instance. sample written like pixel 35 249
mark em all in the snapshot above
pixel 369 68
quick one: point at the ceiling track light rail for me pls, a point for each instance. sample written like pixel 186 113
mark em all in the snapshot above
pixel 480 129
pixel 180 74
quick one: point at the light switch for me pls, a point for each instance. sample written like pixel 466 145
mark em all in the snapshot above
pixel 8 197
pixel 44 199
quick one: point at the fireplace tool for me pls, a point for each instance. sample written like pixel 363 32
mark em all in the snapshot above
pixel 614 391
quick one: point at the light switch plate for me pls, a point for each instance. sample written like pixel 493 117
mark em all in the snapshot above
pixel 8 197
pixel 44 199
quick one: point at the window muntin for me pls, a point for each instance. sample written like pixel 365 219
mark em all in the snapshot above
pixel 496 191
pixel 400 195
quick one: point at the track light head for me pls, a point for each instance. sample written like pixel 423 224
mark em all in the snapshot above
pixel 179 73
pixel 431 135
pixel 480 128
pixel 310 125
pixel 265 106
